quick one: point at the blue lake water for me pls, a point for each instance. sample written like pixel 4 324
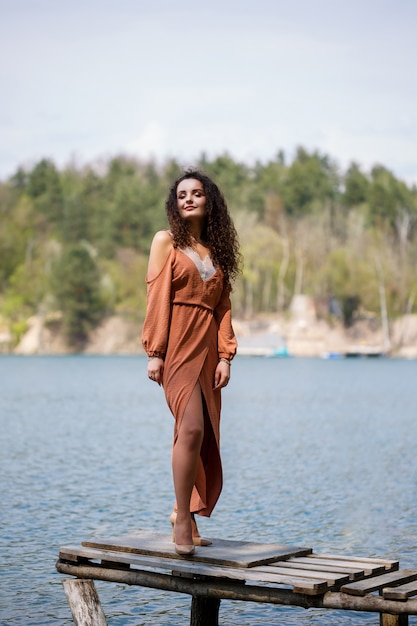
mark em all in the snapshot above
pixel 316 453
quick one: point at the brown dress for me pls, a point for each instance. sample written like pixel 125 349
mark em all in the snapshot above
pixel 188 323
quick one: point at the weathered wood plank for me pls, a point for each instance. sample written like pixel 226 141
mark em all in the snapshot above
pixel 311 565
pixel 377 583
pixel 74 554
pixel 204 586
pixel 402 592
pixel 369 569
pixel 387 563
pixel 84 603
pixel 187 566
pixel 330 577
pixel 183 566
pixel 239 591
pixel 70 553
pixel 221 552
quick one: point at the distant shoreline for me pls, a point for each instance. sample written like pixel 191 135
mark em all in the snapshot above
pixel 267 336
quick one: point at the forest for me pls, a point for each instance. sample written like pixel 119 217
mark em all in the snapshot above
pixel 74 241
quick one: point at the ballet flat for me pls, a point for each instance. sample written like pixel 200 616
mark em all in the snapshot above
pixel 197 540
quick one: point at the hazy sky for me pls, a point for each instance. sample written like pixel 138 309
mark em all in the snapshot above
pixel 85 79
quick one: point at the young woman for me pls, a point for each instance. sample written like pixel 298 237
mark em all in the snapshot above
pixel 190 342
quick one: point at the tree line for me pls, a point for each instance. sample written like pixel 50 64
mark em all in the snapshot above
pixel 74 241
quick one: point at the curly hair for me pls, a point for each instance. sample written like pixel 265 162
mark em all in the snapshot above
pixel 219 233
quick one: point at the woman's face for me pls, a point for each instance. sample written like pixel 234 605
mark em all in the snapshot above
pixel 191 199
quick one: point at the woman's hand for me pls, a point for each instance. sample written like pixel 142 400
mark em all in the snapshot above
pixel 156 369
pixel 221 374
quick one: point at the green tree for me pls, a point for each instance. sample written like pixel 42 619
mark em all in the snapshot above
pixel 76 286
pixel 44 186
pixel 312 179
pixel 387 196
pixel 17 233
pixel 356 186
pixel 304 227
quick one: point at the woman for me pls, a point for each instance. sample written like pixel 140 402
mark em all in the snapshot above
pixel 190 342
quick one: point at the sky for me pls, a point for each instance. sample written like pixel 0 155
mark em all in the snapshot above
pixel 86 80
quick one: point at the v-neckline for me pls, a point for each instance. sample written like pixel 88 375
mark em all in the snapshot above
pixel 202 259
pixel 202 262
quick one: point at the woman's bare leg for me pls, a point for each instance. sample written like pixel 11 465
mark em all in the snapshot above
pixel 185 457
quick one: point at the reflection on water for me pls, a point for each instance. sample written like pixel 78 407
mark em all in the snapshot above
pixel 316 453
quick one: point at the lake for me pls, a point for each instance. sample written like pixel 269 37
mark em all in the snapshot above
pixel 316 453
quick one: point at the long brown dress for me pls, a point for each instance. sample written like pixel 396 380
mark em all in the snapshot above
pixel 188 323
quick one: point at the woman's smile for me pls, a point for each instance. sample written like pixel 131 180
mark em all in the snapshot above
pixel 191 198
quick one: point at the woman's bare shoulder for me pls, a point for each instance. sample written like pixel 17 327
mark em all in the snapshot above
pixel 162 245
pixel 163 238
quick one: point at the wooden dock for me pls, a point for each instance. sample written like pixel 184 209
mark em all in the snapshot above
pixel 236 570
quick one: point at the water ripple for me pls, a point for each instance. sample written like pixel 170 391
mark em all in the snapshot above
pixel 316 453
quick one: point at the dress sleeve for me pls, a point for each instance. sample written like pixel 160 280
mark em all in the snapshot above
pixel 226 340
pixel 155 330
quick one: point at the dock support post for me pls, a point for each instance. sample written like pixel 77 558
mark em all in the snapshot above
pixel 204 611
pixel 84 602
pixel 385 619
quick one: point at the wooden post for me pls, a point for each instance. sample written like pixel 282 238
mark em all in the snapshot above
pixel 385 619
pixel 204 611
pixel 84 602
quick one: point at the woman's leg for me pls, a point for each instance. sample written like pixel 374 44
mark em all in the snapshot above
pixel 185 458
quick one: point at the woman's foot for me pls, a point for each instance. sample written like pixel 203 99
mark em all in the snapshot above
pixel 197 540
pixel 182 535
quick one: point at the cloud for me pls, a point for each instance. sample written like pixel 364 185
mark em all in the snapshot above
pixel 388 147
pixel 151 142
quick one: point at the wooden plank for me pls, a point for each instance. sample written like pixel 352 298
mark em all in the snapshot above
pixel 182 566
pixel 402 592
pixel 188 566
pixel 206 587
pixel 84 603
pixel 386 563
pixel 350 573
pixel 377 583
pixel 227 590
pixel 368 569
pixel 330 577
pixel 221 552
pixel 310 564
pixel 70 553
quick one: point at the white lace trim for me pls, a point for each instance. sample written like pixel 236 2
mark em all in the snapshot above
pixel 205 266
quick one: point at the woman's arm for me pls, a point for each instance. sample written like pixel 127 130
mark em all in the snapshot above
pixel 226 339
pixel 158 305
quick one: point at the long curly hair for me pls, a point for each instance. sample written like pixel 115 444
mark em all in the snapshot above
pixel 219 233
